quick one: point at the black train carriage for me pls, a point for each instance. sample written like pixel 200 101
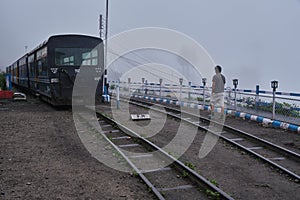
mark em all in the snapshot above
pixel 51 68
pixel 19 73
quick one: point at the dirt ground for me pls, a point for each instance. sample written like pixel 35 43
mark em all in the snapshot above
pixel 41 157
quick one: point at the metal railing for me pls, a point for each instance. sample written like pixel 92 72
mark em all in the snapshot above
pixel 257 102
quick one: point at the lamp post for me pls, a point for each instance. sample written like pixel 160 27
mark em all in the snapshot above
pixel 204 83
pixel 235 83
pixel 129 81
pixel 257 97
pixel 118 94
pixel 274 85
pixel 104 81
pixel 190 87
pixel 146 88
pixel 180 82
pixel 160 83
pixel 143 81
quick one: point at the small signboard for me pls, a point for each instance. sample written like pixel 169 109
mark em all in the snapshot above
pixel 140 117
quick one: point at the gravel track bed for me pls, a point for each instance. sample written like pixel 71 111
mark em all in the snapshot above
pixel 42 157
pixel 237 173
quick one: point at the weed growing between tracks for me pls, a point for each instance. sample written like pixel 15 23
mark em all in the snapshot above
pixel 211 194
pixel 190 165
pixel 134 173
pixel 185 174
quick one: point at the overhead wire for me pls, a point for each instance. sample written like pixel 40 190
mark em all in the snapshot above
pixel 132 61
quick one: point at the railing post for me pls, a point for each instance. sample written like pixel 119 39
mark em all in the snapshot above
pixel 274 85
pixel 235 104
pixel 235 83
pixel 118 94
pixel 257 97
pixel 190 87
pixel 180 81
pixel 129 82
pixel 229 96
pixel 160 82
pixel 204 83
pixel 146 87
pixel 143 81
pixel 274 103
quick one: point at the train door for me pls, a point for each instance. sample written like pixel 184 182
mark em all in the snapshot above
pixel 32 72
pixel 43 82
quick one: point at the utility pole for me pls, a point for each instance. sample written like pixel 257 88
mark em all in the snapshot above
pixel 106 43
pixel 103 35
pixel 101 27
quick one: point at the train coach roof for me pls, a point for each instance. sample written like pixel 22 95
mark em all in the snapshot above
pixel 58 36
pixel 39 46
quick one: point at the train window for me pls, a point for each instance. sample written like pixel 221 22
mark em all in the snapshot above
pixel 68 60
pixel 39 67
pixel 76 56
pixel 38 54
pixel 41 53
pixel 31 58
pixel 44 52
pixel 94 61
pixel 90 57
pixel 86 55
pixel 42 67
pixel 31 65
pixel 94 53
pixel 22 61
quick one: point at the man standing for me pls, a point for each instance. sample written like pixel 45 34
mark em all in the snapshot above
pixel 217 96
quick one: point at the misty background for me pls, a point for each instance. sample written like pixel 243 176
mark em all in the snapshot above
pixel 255 41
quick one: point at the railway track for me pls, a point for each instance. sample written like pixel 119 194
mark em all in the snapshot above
pixel 284 160
pixel 165 176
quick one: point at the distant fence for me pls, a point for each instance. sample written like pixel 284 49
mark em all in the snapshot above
pixel 257 102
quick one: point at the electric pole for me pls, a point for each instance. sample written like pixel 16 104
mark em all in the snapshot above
pixel 101 27
pixel 103 35
pixel 106 45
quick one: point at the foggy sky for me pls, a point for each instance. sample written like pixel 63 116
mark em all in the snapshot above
pixel 255 41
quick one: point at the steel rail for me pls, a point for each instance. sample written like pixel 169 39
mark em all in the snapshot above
pixel 195 176
pixel 141 175
pixel 229 129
